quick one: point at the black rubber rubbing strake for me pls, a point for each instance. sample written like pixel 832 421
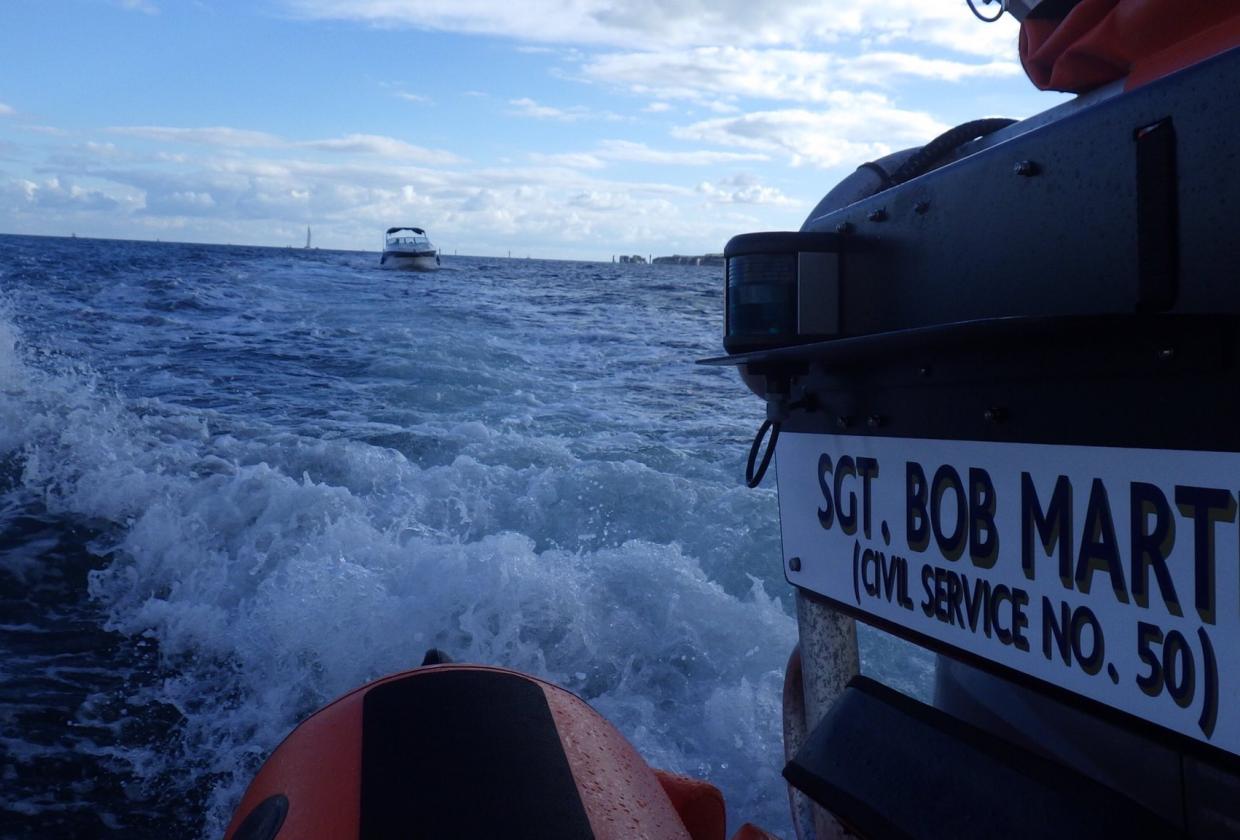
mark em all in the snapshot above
pixel 264 822
pixel 457 753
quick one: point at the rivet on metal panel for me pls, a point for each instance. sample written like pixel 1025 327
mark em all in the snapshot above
pixel 1166 354
pixel 844 227
pixel 1026 168
pixel 878 214
pixel 875 420
pixel 843 421
pixel 924 371
pixel 995 414
pixel 921 207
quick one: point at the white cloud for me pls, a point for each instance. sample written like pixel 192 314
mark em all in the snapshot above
pixel 82 155
pixel 56 194
pixel 599 200
pixel 627 150
pixel 572 160
pixel 380 146
pixel 213 136
pixel 413 97
pixel 610 151
pixel 144 6
pixel 6 110
pixel 742 189
pixel 772 74
pixel 665 23
pixel 658 107
pixel 526 107
pixel 855 129
pixel 44 129
pixel 236 138
pixel 884 67
pixel 182 203
pixel 249 195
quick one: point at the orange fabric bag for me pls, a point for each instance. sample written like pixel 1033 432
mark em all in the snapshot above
pixel 1099 41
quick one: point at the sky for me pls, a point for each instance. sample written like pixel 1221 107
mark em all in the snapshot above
pixel 569 129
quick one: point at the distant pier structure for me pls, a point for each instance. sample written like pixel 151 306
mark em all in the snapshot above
pixel 678 259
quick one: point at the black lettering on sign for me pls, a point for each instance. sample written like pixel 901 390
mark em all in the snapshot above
pixel 998 595
pixel 867 468
pixel 902 598
pixel 1151 545
pixel 946 480
pixel 886 577
pixel 998 611
pixel 845 467
pixel 942 600
pixel 1205 506
pixel 1099 548
pixel 891 576
pixel 951 606
pixel 1149 635
pixel 1175 670
pixel 1180 670
pixel 983 537
pixel 826 513
pixel 869 582
pixel 1059 629
pixel 1092 662
pixel 1020 600
pixel 917 520
pixel 975 598
pixel 1053 527
pixel 1068 634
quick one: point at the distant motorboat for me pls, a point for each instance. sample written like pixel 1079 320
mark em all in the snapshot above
pixel 408 248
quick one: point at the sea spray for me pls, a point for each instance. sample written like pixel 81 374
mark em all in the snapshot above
pixel 282 476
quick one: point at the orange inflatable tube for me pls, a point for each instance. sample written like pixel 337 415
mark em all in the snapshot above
pixel 469 751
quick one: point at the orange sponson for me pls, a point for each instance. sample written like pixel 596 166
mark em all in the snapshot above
pixel 1099 41
pixel 320 769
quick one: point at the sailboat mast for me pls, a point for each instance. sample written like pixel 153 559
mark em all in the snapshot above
pixel 307 236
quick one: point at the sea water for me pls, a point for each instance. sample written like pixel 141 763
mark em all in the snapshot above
pixel 236 483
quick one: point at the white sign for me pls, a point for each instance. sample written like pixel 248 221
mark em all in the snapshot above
pixel 1112 573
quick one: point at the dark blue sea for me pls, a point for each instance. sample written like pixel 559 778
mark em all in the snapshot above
pixel 237 482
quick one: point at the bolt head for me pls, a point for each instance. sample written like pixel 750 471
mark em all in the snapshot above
pixel 878 214
pixel 1026 168
pixel 844 227
pixel 921 207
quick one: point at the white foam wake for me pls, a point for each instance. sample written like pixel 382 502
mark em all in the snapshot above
pixel 278 571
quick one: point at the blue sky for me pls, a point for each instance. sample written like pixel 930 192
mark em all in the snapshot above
pixel 554 128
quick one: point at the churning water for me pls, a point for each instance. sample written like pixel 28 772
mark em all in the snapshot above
pixel 237 482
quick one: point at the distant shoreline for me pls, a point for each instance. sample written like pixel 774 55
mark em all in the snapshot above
pixel 705 260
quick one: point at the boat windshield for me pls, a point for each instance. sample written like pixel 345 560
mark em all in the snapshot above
pixel 415 241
